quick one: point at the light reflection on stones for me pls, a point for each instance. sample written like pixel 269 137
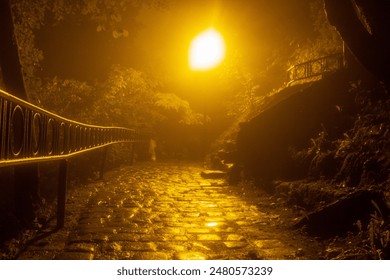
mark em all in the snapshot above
pixel 212 224
pixel 167 211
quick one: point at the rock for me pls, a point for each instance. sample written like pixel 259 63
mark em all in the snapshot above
pixel 213 174
pixel 300 253
pixel 339 216
pixel 234 174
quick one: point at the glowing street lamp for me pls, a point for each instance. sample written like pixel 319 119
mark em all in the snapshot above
pixel 207 50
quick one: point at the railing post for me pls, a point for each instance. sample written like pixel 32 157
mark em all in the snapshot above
pixel 103 163
pixel 62 186
pixel 132 153
pixel 26 192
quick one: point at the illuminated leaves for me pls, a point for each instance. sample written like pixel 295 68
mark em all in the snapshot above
pixel 178 108
pixel 67 97
pixel 324 39
pixel 120 33
pixel 172 102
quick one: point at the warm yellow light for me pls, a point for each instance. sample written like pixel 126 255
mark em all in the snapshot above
pixel 207 50
pixel 212 224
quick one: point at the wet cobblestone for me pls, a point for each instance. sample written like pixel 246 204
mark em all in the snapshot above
pixel 168 211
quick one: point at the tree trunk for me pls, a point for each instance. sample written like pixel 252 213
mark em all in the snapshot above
pixel 26 176
pixel 9 56
pixel 368 43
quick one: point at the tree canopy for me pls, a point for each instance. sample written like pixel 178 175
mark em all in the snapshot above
pixel 124 62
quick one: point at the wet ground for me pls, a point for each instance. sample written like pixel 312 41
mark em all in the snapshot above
pixel 152 211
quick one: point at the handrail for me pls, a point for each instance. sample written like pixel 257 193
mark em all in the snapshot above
pixel 31 134
pixel 316 67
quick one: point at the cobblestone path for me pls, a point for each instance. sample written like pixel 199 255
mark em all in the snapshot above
pixel 168 211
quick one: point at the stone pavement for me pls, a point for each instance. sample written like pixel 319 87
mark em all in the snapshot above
pixel 158 211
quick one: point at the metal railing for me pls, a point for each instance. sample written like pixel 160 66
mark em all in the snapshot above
pixel 30 134
pixel 316 67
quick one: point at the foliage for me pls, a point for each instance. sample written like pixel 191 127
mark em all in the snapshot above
pixel 66 97
pixel 246 95
pixel 106 14
pixel 324 41
pixel 379 236
pixel 252 87
pixel 361 154
pixel 126 99
pixel 131 98
pixel 178 109
pixel 30 16
pixel 319 156
pixel 372 240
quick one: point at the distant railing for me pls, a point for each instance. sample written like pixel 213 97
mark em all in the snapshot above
pixel 316 67
pixel 30 134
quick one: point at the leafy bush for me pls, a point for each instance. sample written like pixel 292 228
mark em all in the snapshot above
pixel 361 156
pixel 363 152
pixel 379 236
